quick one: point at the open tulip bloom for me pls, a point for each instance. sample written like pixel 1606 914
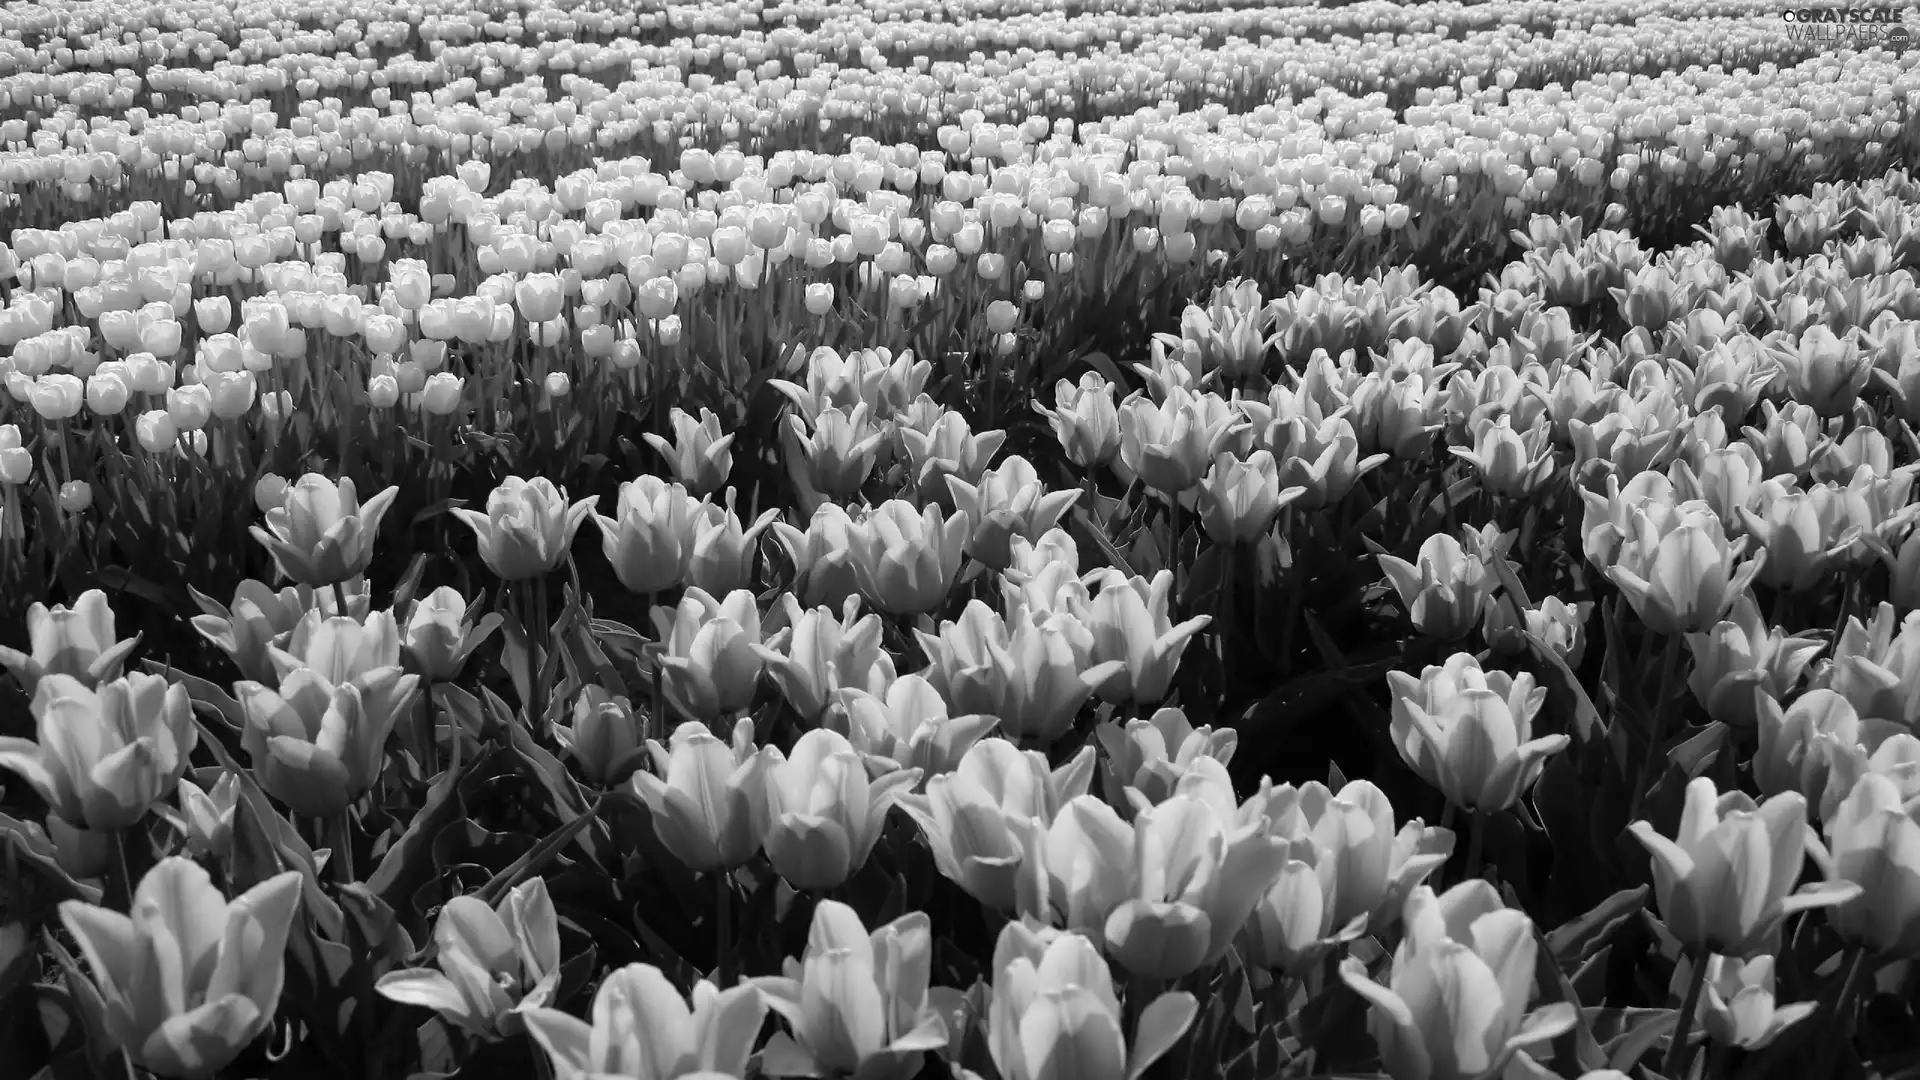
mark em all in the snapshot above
pixel 494 963
pixel 641 1026
pixel 322 533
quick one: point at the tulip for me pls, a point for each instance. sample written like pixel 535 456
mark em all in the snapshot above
pixel 1130 627
pixel 528 527
pixel 650 539
pixel 823 573
pixel 1725 880
pixel 979 819
pixel 1799 746
pixel 1055 1016
pixel 699 455
pixel 1169 445
pixel 1445 591
pixel 495 963
pixel 322 534
pixel 104 755
pixel 1034 672
pixel 606 737
pixel 815 655
pixel 709 666
pixel 256 617
pixel 642 1027
pixel 78 642
pixel 1455 1006
pixel 1240 499
pixel 1681 575
pixel 1469 732
pixel 1742 653
pixel 1008 501
pixel 1084 420
pixel 206 817
pixel 824 813
pixel 720 558
pixel 946 447
pixel 905 560
pixel 856 1004
pixel 906 726
pixel 1823 371
pixel 1737 1003
pixel 836 454
pixel 1150 756
pixel 1800 533
pixel 707 800
pixel 441 634
pixel 1876 845
pixel 1510 463
pixel 318 744
pixel 187 980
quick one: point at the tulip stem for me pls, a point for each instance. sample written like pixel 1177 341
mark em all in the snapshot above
pixel 1657 718
pixel 342 843
pixel 118 894
pixel 723 926
pixel 1857 966
pixel 1476 842
pixel 340 599
pixel 1677 1058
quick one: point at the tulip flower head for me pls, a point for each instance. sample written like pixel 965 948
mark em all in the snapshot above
pixel 1460 947
pixel 494 962
pixel 905 726
pixel 321 533
pixel 1034 672
pixel 1054 1014
pixel 1678 570
pixel 244 629
pixel 1741 653
pixel 441 633
pixel 642 1027
pixel 1726 879
pixel 79 642
pixel 1875 843
pixel 707 799
pixel 528 527
pixel 1149 756
pixel 816 655
pixel 187 979
pixel 707 654
pixel 699 455
pixel 1737 1001
pixel 1443 590
pixel 905 560
pixel 823 811
pixel 856 1004
pixel 1469 732
pixel 105 755
pixel 650 538
pixel 1129 624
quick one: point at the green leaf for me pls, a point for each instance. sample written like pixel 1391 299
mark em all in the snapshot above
pixel 408 864
pixel 1575 941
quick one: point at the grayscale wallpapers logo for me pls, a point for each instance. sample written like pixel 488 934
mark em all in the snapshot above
pixel 1851 27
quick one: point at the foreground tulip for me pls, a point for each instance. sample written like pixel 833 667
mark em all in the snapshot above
pixel 904 559
pixel 441 633
pixel 699 455
pixel 1876 845
pixel 527 529
pixel 857 1004
pixel 605 736
pixel 1726 879
pixel 316 744
pixel 1136 643
pixel 1084 420
pixel 1455 1007
pixel 77 641
pixel 1681 575
pixel 494 962
pixel 707 799
pixel 1054 1014
pixel 709 668
pixel 1741 653
pixel 1469 732
pixel 823 813
pixel 979 819
pixel 1008 501
pixel 104 756
pixel 643 1028
pixel 244 628
pixel 322 534
pixel 188 980
pixel 650 538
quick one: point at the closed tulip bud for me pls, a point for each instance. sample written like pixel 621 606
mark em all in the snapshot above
pixel 1726 879
pixel 1469 732
pixel 824 812
pixel 819 298
pixel 709 667
pixel 226 972
pixel 58 396
pixel 107 392
pixel 206 817
pixel 412 283
pixel 528 528
pixel 213 314
pixel 494 963
pixel 75 496
pixel 321 533
pixel 441 633
pixel 539 297
pixel 712 1034
pixel 230 393
pixel 104 756
pixel 699 455
pixel 383 392
pixel 1460 946
pixel 857 1004
pixel 1875 843
pixel 707 800
pixel 605 738
pixel 441 396
pixel 1444 592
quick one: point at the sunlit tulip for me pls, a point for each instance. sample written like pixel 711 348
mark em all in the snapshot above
pixel 1823 371
pixel 1740 653
pixel 980 820
pixel 709 666
pixel 206 817
pixel 1033 672
pixel 1455 1006
pixel 187 979
pixel 1726 879
pixel 1169 445
pixel 821 555
pixel 905 560
pixel 104 755
pixel 1084 420
pixel 78 641
pixel 1875 843
pixel 707 799
pixel 1151 755
pixel 946 447
pixel 642 1027
pixel 1129 626
pixel 318 741
pixel 824 814
pixel 322 533
pixel 1009 501
pixel 605 737
pixel 1510 463
pixel 528 527
pixel 1444 590
pixel 493 963
pixel 835 453
pixel 245 628
pixel 1681 575
pixel 720 558
pixel 649 540
pixel 1240 499
pixel 856 1004
pixel 816 654
pixel 699 455
pixel 1054 1014
pixel 441 633
pixel 1737 1001
pixel 906 725
pixel 1469 732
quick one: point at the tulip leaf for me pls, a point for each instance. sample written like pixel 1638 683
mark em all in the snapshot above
pixel 1569 698
pixel 407 863
pixel 1578 1052
pixel 517 656
pixel 1575 941
pixel 538 856
pixel 85 1003
pixel 30 845
pixel 1627 1035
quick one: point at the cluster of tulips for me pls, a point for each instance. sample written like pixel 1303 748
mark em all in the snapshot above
pixel 1206 542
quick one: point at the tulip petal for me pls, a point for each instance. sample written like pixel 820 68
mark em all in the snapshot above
pixel 1162 1024
pixel 428 989
pixel 204 1040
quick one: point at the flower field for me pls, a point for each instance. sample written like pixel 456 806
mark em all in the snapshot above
pixel 999 539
